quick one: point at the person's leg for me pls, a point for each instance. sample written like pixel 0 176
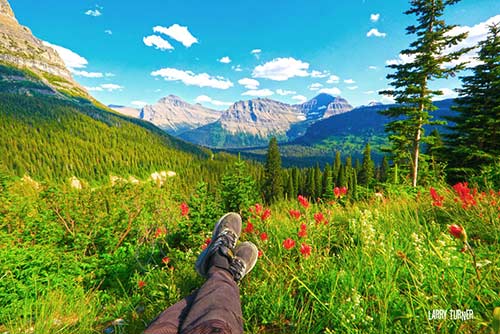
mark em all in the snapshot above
pixel 217 306
pixel 170 320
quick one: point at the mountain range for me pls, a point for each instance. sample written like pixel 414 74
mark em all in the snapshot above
pixel 243 124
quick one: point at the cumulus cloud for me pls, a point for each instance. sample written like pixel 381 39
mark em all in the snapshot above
pixel 299 98
pixel 319 74
pixel 283 92
pixel 372 67
pixel 349 81
pixel 138 104
pixel 476 34
pixel 259 92
pixel 86 74
pixel 208 99
pixel 315 86
pixel 105 87
pixel 402 59
pixel 333 79
pixel 369 92
pixel 93 12
pixel 225 60
pixel 179 33
pixel 374 32
pixel 237 68
pixel 281 69
pixel 256 53
pixel 192 79
pixel 447 94
pixel 158 42
pixel 374 17
pixel 352 87
pixel 71 59
pixel 332 91
pixel 249 83
pixel 108 31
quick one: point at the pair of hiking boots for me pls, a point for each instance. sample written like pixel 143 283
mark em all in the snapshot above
pixel 223 252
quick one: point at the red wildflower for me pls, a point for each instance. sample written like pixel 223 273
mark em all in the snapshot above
pixel 160 231
pixel 257 209
pixel 339 192
pixel 457 231
pixel 303 226
pixel 260 253
pixel 266 214
pixel 207 242
pixel 263 236
pixel 437 200
pixel 165 260
pixel 184 209
pixel 294 213
pixel 319 217
pixel 288 243
pixel 249 228
pixel 302 234
pixel 303 201
pixel 305 249
pixel 466 197
pixel 141 284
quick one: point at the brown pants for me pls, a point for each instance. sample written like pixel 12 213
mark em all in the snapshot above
pixel 214 308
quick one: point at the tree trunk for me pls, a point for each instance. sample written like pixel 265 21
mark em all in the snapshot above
pixel 416 153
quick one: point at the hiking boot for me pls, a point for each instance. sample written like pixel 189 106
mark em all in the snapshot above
pixel 245 257
pixel 224 237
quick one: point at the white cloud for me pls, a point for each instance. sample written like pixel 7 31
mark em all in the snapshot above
pixel 249 83
pixel 352 87
pixel 208 99
pixel 332 91
pixel 158 42
pixel 283 92
pixel 259 92
pixel 191 79
pixel 256 51
pixel 108 31
pixel 93 12
pixel 108 74
pixel 108 87
pixel 281 69
pixel 319 74
pixel 225 60
pixel 139 104
pixel 179 33
pixel 369 92
pixel 71 59
pixel 237 68
pixel 333 79
pixel 372 67
pixel 403 59
pixel 349 81
pixel 299 98
pixel 374 17
pixel 87 74
pixel 315 86
pixel 447 94
pixel 376 33
pixel 476 34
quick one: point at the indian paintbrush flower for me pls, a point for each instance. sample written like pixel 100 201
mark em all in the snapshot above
pixel 288 243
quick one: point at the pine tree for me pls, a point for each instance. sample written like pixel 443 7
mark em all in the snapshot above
pixel 237 188
pixel 426 60
pixel 367 168
pixel 319 184
pixel 337 163
pixel 475 137
pixel 273 188
pixel 327 183
pixel 384 169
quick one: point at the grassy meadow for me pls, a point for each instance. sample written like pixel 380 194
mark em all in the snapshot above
pixel 109 259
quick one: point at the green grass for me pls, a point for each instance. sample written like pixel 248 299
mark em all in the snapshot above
pixel 72 261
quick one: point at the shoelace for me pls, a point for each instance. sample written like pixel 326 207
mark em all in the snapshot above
pixel 226 241
pixel 237 268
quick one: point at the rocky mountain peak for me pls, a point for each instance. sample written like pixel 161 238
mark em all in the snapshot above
pixel 5 9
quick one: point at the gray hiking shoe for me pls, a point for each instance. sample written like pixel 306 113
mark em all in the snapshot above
pixel 245 257
pixel 224 237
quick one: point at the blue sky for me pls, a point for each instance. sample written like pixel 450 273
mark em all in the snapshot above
pixel 218 52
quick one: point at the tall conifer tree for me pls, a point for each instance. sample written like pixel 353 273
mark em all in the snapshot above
pixel 428 58
pixel 273 187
